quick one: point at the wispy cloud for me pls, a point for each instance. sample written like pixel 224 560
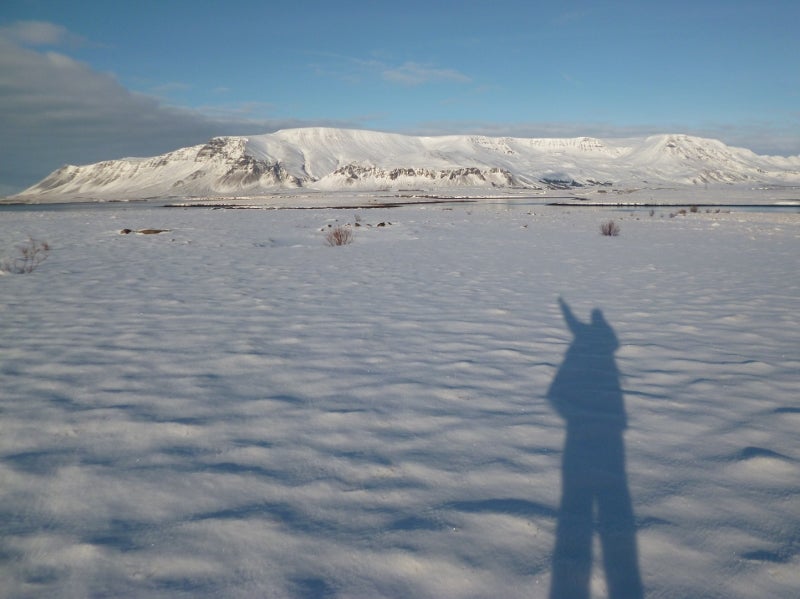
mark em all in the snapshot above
pixel 41 33
pixel 171 87
pixel 238 111
pixel 357 70
pixel 412 73
pixel 572 16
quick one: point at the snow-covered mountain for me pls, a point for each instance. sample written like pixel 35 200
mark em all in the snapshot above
pixel 341 159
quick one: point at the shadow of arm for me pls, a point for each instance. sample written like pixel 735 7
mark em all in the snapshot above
pixel 569 317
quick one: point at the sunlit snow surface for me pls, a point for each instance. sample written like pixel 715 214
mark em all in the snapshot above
pixel 233 408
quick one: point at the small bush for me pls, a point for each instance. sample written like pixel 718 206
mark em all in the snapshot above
pixel 339 236
pixel 29 256
pixel 610 228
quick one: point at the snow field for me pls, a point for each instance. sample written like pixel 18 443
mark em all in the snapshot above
pixel 234 408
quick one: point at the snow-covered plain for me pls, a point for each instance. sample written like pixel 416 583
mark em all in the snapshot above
pixel 232 408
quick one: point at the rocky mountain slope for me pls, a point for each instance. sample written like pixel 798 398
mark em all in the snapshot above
pixel 342 159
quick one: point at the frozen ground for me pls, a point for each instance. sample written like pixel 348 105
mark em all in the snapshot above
pixel 234 409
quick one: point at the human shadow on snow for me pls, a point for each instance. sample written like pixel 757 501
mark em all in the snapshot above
pixel 586 392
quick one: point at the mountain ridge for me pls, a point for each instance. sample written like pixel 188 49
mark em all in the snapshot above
pixel 329 159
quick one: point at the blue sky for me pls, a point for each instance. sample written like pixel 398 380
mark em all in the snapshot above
pixel 86 81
